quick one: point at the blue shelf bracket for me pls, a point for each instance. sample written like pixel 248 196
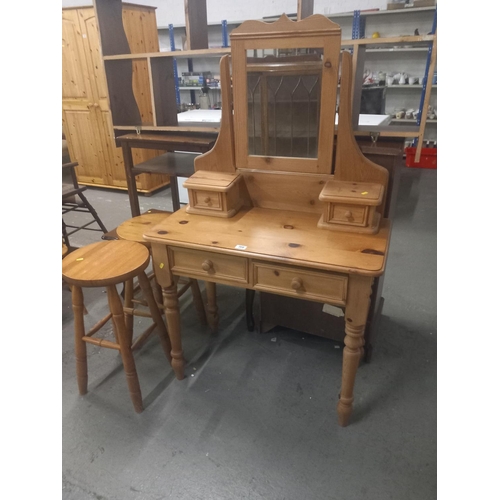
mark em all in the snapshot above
pixel 176 75
pixel 225 41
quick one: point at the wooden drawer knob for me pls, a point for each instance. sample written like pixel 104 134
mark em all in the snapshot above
pixel 207 265
pixel 297 283
pixel 207 199
pixel 348 215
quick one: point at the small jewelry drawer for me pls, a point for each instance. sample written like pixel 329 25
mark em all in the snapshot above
pixel 300 283
pixel 207 199
pixel 348 214
pixel 216 194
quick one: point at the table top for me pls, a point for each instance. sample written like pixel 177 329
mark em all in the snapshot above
pixel 278 236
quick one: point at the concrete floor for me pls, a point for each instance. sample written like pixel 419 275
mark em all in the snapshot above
pixel 255 417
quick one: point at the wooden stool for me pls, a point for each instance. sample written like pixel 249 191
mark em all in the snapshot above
pixel 132 230
pixel 107 264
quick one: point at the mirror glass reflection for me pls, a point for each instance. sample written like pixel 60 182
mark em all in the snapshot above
pixel 283 94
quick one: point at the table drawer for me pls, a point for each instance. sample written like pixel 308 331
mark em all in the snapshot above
pixel 300 283
pixel 207 199
pixel 201 264
pixel 348 214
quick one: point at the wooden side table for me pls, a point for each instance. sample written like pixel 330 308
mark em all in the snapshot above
pixel 171 163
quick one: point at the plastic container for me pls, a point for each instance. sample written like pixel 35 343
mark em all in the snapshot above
pixel 428 158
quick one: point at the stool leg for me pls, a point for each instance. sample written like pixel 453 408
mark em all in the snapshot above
pixel 116 308
pixel 172 315
pixel 80 347
pixel 158 294
pixel 127 302
pixel 155 314
pixel 198 301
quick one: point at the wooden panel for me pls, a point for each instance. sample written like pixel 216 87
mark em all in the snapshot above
pixel 124 108
pixel 75 82
pixel 119 75
pixel 139 23
pixel 216 181
pixel 350 163
pixel 95 65
pixel 196 24
pixel 361 193
pixel 84 144
pixel 163 84
pixel 208 264
pixel 141 87
pixel 300 283
pixel 283 191
pixel 221 157
pixel 141 32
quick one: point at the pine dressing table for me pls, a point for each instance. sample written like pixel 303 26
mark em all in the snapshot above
pixel 257 198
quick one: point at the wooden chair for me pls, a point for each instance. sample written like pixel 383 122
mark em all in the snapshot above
pixel 73 200
pixel 107 264
pixel 132 230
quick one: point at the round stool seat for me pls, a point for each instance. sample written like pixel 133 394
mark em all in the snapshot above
pixel 105 263
pixel 133 229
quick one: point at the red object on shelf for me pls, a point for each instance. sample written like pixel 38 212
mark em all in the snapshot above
pixel 428 158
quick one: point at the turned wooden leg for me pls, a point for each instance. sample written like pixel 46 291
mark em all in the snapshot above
pixel 80 347
pixel 172 315
pixel 128 295
pixel 198 301
pixel 155 314
pixel 212 310
pixel 356 313
pixel 116 308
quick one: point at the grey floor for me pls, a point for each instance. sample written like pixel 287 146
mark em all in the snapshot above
pixel 255 417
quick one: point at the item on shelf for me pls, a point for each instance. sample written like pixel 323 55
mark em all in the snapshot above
pixel 409 114
pixel 368 77
pixel 402 79
pixel 413 80
pixel 390 80
pixel 400 114
pixel 431 113
pixel 194 79
pixel 375 34
pixel 381 78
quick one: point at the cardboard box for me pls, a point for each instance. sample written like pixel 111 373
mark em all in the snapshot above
pixel 424 3
pixel 395 5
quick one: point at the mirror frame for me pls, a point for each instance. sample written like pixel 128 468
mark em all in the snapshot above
pixel 314 32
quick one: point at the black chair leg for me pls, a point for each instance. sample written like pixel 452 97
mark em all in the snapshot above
pixel 93 212
pixel 250 296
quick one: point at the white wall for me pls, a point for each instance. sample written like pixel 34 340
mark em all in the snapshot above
pixel 172 11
